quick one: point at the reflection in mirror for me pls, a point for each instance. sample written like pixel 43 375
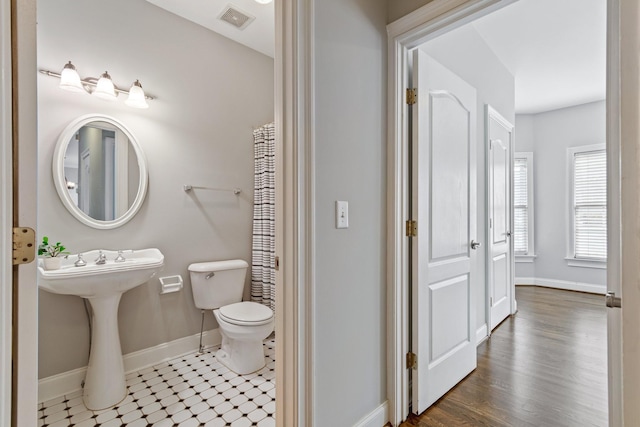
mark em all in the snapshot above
pixel 99 171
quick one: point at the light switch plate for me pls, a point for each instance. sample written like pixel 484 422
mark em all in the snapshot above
pixel 342 214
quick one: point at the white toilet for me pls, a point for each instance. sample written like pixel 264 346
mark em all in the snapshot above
pixel 218 286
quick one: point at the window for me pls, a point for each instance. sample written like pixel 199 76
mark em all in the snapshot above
pixel 523 207
pixel 588 199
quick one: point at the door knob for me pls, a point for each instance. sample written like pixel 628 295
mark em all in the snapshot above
pixel 475 245
pixel 508 234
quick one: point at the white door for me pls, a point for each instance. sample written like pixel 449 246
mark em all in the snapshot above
pixel 499 152
pixel 6 212
pixel 444 205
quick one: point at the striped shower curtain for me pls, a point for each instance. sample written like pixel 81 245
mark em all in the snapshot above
pixel 263 273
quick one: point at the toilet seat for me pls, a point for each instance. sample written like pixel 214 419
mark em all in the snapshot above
pixel 246 314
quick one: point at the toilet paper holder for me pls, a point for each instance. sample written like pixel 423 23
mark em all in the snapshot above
pixel 170 284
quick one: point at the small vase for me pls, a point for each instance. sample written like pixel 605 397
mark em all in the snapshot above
pixel 51 263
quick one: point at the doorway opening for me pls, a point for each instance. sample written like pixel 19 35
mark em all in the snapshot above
pixel 431 32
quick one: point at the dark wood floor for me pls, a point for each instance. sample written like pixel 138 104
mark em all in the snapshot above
pixel 545 366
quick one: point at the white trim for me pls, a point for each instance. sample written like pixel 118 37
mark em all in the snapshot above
pixel 562 284
pixel 376 418
pixel 586 263
pixel 526 258
pixel 6 213
pixel 432 19
pixel 68 382
pixel 530 203
pixel 569 205
pixel 482 334
pixel 294 119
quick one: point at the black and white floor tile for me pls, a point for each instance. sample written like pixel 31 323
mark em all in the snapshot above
pixel 189 391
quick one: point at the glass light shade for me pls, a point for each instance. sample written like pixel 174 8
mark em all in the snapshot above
pixel 136 97
pixel 264 1
pixel 70 80
pixel 105 89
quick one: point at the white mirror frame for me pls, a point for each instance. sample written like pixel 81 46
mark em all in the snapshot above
pixel 59 176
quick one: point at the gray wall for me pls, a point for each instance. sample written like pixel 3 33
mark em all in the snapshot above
pixel 465 53
pixel 211 93
pixel 524 142
pixel 549 135
pixel 350 303
pixel 398 8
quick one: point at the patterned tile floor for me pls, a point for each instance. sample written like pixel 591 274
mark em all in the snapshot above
pixel 189 391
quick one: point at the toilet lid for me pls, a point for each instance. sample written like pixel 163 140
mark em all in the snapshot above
pixel 246 313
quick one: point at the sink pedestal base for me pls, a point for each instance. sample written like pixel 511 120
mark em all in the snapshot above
pixel 104 385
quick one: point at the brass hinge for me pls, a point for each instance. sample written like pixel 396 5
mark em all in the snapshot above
pixel 411 96
pixel 412 360
pixel 24 245
pixel 411 228
pixel 277 263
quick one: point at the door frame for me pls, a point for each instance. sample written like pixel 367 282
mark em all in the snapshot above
pixel 294 216
pixel 295 211
pixel 6 213
pixel 425 23
pixel 492 113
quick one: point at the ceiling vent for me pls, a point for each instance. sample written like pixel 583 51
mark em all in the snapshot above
pixel 234 16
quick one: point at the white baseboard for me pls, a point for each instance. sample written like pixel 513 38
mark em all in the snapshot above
pixel 377 418
pixel 68 382
pixel 482 334
pixel 562 284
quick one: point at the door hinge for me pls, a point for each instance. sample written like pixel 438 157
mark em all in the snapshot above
pixel 411 228
pixel 24 245
pixel 277 263
pixel 411 96
pixel 412 360
pixel 491 302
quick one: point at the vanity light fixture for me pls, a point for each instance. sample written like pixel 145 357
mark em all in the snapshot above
pixel 136 97
pixel 69 79
pixel 102 88
pixel 105 88
pixel 264 1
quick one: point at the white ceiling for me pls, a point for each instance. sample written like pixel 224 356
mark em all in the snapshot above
pixel 556 50
pixel 258 35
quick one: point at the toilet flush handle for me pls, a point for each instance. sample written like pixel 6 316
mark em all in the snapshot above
pixel 210 275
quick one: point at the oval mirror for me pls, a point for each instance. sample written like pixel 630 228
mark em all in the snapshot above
pixel 100 171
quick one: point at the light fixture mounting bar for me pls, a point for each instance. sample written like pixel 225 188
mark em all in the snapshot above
pixel 92 83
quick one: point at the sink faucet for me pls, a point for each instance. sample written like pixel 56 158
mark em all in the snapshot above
pixel 80 262
pixel 102 258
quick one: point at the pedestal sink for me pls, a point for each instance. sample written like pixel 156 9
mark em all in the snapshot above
pixel 103 285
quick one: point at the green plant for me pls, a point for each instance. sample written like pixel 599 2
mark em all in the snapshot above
pixel 49 249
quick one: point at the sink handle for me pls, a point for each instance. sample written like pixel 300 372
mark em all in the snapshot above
pixel 120 257
pixel 80 262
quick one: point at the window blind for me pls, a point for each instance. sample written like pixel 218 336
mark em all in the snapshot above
pixel 520 207
pixel 590 204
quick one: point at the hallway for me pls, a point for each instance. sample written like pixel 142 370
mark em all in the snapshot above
pixel 545 366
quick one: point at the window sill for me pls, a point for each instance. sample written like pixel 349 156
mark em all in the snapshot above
pixel 525 258
pixel 588 263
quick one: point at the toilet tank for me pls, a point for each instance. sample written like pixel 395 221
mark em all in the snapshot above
pixel 217 283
